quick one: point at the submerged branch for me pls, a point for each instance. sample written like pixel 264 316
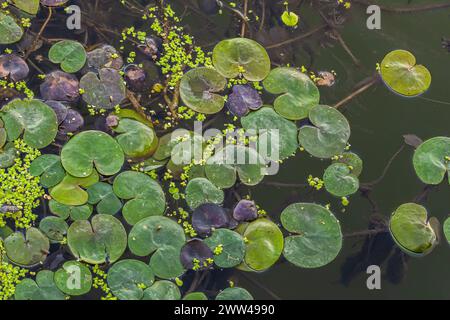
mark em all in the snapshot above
pixel 301 37
pixel 358 91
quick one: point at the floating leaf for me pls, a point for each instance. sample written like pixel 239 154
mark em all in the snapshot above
pixel 136 139
pixel 54 228
pixel 299 93
pixel 232 57
pixel 234 293
pixel 105 56
pixel 8 154
pixel 103 239
pixel 75 212
pixel 401 74
pixel 352 160
pixel 228 247
pixel 195 296
pixel 195 255
pixel 14 67
pixel 446 228
pixel 162 238
pixel 328 136
pixel 317 237
pixel 10 31
pixel 70 190
pixel 277 136
pixel 53 3
pixel 289 18
pixel 105 91
pixel 44 288
pixel 60 109
pixel 70 54
pixel 243 99
pixel 73 122
pixel 340 181
pixel 221 168
pixel 127 279
pixel 411 229
pixel 245 210
pixel 29 6
pixel 60 86
pixel 145 195
pixel 33 118
pixel 264 244
pixel 74 278
pixel 162 290
pixel 198 89
pixel 209 216
pixel 102 195
pixel 89 148
pixel 27 250
pixel 200 191
pixel 49 168
pixel 432 160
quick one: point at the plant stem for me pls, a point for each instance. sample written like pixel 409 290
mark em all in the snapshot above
pixel 301 37
pixel 357 92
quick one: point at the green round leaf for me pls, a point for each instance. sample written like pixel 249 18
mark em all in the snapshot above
pixel 264 244
pixel 69 191
pixel 49 168
pixel 145 195
pixel 10 31
pixel 162 290
pixel 279 144
pixel 446 228
pixel 199 87
pixel 401 74
pixel 232 57
pixel 289 18
pixel 74 278
pixel 340 181
pixel 70 54
pixel 81 212
pixel 234 293
pixel 352 160
pixel 44 288
pixel 299 93
pixel 411 229
pixel 29 6
pixel 317 237
pixel 136 139
pixel 27 250
pixel 102 195
pixel 195 296
pixel 162 238
pixel 55 228
pixel 36 120
pixel 7 155
pixel 221 168
pixel 128 279
pixel 228 247
pixel 432 160
pixel 89 148
pixel 328 136
pixel 104 91
pixel 200 191
pixel 103 239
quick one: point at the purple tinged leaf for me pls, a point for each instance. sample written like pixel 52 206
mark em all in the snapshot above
pixel 194 254
pixel 60 86
pixel 208 216
pixel 72 122
pixel 412 140
pixel 135 78
pixel 243 99
pixel 245 210
pixel 60 109
pixel 14 67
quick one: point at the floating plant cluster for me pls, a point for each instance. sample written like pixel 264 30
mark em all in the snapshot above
pixel 92 200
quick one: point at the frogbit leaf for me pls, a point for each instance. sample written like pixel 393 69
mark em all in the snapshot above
pixel 70 54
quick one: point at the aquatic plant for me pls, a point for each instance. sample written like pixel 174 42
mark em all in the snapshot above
pixel 92 166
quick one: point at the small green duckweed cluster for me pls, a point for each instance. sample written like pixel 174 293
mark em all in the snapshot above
pixel 18 188
pixel 10 276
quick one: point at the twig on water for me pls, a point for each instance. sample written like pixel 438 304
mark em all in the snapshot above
pixel 358 91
